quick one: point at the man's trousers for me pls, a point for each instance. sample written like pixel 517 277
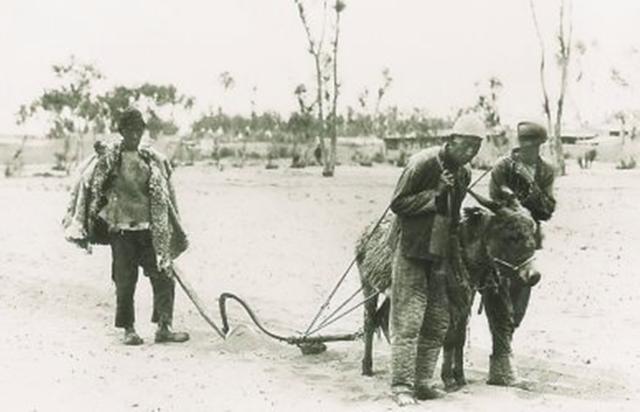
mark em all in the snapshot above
pixel 130 250
pixel 419 320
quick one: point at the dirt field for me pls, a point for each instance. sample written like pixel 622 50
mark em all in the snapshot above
pixel 280 239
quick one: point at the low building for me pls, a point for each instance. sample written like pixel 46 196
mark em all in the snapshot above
pixel 412 142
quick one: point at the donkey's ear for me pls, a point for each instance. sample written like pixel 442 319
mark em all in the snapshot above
pixel 488 203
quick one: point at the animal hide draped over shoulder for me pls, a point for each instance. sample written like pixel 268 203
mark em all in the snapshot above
pixel 83 226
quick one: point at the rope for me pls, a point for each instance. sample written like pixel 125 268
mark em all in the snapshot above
pixel 513 267
pixel 479 178
pixel 322 326
pixel 188 290
pixel 324 306
pixel 349 299
pixel 305 338
pixel 329 319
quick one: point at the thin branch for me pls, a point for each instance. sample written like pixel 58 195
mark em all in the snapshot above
pixel 545 94
pixel 315 49
pixel 336 85
pixel 324 24
pixel 305 24
pixel 565 54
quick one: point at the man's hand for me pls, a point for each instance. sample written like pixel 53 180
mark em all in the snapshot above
pixel 444 186
pixel 507 195
pixel 447 178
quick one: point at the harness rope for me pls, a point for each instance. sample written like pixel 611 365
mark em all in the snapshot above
pixel 324 306
pixel 329 319
pixel 304 341
pixel 515 268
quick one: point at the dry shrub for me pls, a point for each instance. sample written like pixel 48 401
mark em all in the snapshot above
pixel 626 164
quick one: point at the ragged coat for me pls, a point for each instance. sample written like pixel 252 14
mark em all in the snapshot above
pixel 83 225
pixel 422 227
pixel 533 191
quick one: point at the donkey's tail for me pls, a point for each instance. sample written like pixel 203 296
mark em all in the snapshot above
pixel 381 318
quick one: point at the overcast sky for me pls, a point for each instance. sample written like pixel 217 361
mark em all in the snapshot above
pixel 436 50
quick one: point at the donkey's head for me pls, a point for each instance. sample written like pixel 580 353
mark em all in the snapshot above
pixel 510 241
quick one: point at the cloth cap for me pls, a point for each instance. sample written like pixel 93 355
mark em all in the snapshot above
pixel 469 125
pixel 130 116
pixel 531 134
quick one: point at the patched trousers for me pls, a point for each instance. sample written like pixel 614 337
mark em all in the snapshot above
pixel 131 250
pixel 419 319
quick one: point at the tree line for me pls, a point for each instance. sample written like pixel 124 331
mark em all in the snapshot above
pixel 74 106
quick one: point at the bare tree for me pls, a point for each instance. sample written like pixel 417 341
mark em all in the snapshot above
pixel 227 82
pixel 329 166
pixel 565 32
pixel 315 49
pixel 327 82
pixel 374 121
pixel 379 121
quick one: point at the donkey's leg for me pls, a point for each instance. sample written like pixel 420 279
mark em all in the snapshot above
pixel 368 330
pixel 446 373
pixel 458 368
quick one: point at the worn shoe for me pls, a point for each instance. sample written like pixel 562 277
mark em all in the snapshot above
pixel 166 335
pixel 131 338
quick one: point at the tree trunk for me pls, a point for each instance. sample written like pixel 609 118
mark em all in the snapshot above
pixel 555 128
pixel 565 56
pixel 558 152
pixel 315 49
pixel 329 167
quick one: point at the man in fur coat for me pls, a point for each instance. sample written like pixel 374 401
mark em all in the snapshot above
pixel 124 198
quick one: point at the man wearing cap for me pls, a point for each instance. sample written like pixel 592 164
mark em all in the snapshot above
pixel 127 201
pixel 525 176
pixel 426 200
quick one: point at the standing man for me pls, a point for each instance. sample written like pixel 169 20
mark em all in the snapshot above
pixel 126 200
pixel 522 174
pixel 427 197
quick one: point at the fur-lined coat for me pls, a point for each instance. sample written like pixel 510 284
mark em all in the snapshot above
pixel 83 226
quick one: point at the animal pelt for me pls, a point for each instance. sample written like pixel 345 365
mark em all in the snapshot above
pixel 83 225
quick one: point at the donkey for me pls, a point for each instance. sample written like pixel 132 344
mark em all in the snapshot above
pixel 497 244
pixel 585 159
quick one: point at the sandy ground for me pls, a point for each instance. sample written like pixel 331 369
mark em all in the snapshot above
pixel 280 239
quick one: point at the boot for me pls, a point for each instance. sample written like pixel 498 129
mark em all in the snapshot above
pixel 165 334
pixel 502 373
pixel 425 367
